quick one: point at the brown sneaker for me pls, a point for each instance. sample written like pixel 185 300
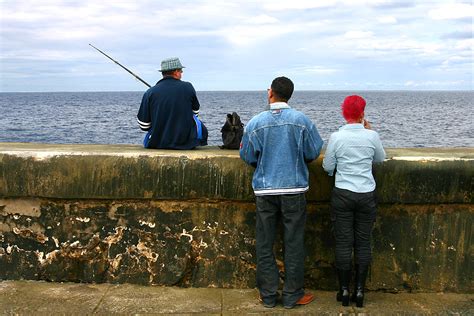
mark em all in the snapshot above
pixel 304 300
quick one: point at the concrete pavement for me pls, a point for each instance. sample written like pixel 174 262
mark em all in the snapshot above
pixel 45 298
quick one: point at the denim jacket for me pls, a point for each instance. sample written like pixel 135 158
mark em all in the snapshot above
pixel 279 142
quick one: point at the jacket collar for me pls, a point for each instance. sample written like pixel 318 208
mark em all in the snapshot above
pixel 352 126
pixel 279 105
pixel 166 78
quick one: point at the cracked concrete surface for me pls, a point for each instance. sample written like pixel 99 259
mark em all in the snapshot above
pixel 43 298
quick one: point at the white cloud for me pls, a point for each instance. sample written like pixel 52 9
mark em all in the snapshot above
pixel 457 63
pixel 267 34
pixel 262 19
pixel 387 19
pixel 434 84
pixel 410 46
pixel 44 54
pixel 71 34
pixel 452 11
pixel 318 70
pixel 244 35
pixel 467 44
pixel 284 5
pixel 357 34
pixel 51 11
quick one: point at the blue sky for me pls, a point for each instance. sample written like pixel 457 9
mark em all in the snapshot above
pixel 238 45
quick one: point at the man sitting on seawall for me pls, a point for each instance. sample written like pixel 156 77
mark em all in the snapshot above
pixel 168 112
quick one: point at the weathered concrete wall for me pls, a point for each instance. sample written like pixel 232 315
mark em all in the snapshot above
pixel 93 213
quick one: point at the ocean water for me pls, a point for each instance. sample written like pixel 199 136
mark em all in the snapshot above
pixel 402 118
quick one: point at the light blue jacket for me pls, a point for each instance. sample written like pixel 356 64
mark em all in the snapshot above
pixel 279 142
pixel 351 151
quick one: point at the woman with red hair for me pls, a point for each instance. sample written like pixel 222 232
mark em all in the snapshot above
pixel 351 152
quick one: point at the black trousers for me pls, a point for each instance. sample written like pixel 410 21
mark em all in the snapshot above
pixel 353 216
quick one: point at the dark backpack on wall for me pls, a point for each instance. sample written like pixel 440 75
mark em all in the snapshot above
pixel 232 132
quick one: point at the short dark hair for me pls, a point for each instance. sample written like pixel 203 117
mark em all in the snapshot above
pixel 168 72
pixel 282 88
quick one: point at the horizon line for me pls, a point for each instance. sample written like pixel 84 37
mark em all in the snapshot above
pixel 262 90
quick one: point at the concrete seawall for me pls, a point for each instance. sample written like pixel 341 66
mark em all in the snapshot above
pixel 123 214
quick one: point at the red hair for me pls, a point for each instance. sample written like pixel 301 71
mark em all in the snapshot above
pixel 353 107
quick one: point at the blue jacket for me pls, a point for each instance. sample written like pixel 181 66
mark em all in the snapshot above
pixel 279 143
pixel 166 112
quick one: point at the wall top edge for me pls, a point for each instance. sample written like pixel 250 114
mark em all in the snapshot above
pixel 40 151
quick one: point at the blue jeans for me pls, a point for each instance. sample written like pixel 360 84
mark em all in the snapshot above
pixel 291 208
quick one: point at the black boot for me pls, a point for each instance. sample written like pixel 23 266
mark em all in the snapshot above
pixel 343 293
pixel 361 276
pixel 356 281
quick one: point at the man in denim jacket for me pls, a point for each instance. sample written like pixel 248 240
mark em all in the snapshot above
pixel 279 143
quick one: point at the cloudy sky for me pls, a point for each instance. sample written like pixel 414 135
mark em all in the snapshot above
pixel 238 45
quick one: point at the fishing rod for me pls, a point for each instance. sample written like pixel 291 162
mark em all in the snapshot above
pixel 146 83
